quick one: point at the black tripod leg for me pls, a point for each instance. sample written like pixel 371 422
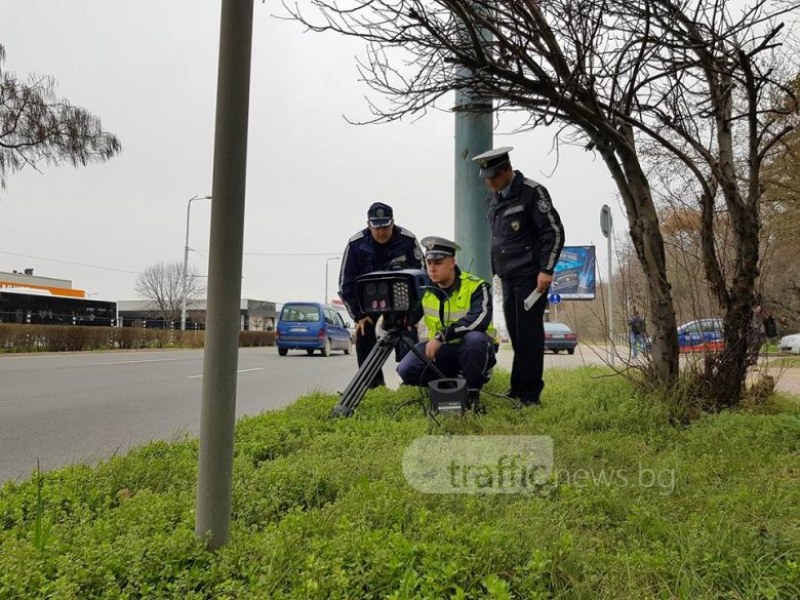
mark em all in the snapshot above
pixel 421 355
pixel 354 393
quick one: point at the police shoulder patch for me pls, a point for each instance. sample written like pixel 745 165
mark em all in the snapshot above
pixel 543 200
pixel 417 253
pixel 543 204
pixel 531 183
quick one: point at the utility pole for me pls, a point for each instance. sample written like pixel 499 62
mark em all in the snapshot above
pixel 186 259
pixel 218 408
pixel 473 136
pixel 327 262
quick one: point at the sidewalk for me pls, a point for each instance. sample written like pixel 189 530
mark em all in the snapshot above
pixel 787 379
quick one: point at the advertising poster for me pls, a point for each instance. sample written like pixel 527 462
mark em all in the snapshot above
pixel 574 276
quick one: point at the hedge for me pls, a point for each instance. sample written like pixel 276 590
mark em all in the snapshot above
pixel 65 338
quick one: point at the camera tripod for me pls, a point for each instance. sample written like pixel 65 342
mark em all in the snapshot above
pixel 386 343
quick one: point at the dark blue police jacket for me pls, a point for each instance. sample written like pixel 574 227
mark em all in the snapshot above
pixel 364 255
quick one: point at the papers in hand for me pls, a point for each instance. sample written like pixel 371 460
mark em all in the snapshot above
pixel 531 300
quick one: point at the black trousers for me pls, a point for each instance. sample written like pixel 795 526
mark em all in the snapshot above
pixel 366 342
pixel 472 357
pixel 526 330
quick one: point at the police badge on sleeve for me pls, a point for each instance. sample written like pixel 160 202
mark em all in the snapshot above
pixel 543 204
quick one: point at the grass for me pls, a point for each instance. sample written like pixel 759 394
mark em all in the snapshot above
pixel 636 508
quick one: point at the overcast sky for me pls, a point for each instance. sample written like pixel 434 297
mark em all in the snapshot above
pixel 148 70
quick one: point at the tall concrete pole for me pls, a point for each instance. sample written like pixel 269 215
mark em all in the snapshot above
pixel 218 410
pixel 473 136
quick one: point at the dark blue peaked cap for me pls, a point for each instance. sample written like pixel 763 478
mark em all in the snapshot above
pixel 380 215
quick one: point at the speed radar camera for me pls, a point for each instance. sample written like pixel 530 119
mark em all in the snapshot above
pixel 397 297
pixel 394 295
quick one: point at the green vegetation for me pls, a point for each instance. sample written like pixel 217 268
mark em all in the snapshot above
pixel 64 338
pixel 638 508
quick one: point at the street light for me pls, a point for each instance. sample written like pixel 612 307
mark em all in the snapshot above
pixel 186 258
pixel 327 262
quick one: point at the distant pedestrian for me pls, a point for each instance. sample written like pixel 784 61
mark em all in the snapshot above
pixel 636 324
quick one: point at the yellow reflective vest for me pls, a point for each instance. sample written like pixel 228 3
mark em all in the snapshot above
pixel 456 307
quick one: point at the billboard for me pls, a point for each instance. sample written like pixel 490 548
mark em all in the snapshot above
pixel 574 277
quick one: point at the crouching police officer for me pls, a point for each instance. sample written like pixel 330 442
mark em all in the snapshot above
pixel 458 315
pixel 527 238
pixel 382 246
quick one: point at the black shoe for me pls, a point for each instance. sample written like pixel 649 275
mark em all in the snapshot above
pixel 527 404
pixel 512 393
pixel 474 400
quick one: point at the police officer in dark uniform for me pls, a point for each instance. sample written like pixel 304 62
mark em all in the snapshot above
pixel 382 246
pixel 527 238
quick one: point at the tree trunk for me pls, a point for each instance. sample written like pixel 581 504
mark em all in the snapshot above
pixel 728 373
pixel 649 245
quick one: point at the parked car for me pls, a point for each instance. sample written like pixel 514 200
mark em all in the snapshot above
pixel 311 326
pixel 790 343
pixel 703 335
pixel 558 337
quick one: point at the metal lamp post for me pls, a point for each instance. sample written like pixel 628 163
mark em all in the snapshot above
pixel 327 262
pixel 607 227
pixel 186 259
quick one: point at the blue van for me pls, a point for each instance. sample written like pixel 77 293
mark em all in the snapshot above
pixel 311 326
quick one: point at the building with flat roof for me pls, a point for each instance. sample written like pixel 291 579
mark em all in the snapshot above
pixel 26 279
pixel 254 315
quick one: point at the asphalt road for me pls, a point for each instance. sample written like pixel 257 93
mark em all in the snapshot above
pixel 84 407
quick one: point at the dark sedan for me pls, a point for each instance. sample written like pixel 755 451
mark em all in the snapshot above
pixel 558 337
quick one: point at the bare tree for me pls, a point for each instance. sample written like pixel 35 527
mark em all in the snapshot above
pixel 162 284
pixel 780 271
pixel 620 76
pixel 37 127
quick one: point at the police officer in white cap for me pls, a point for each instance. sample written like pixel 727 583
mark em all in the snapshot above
pixel 527 238
pixel 458 315
pixel 381 246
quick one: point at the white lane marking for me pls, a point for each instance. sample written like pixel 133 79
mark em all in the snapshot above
pixel 128 362
pixel 239 371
